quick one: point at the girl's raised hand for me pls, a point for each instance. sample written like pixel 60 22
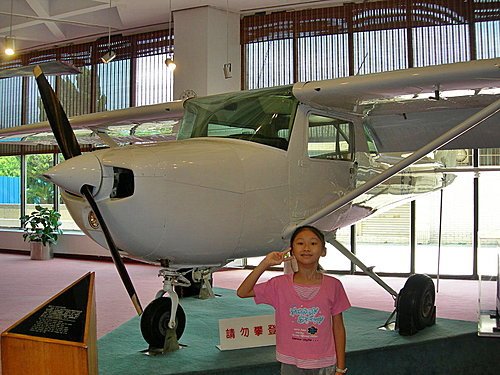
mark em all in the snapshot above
pixel 276 257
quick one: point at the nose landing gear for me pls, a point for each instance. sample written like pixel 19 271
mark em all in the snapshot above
pixel 163 320
pixel 155 325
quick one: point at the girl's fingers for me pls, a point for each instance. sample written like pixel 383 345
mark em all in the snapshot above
pixel 278 256
pixel 284 252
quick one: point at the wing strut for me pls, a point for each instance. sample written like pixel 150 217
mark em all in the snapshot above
pixel 330 238
pixel 447 137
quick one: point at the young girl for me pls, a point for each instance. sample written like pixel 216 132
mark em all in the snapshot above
pixel 310 332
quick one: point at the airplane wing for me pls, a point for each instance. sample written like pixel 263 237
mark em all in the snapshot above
pixel 50 68
pixel 406 109
pixel 348 92
pixel 123 125
pixel 408 126
pixel 390 116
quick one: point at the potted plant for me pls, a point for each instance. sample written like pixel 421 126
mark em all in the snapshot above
pixel 41 229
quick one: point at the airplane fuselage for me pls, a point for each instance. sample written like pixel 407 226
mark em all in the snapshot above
pixel 239 205
pixel 217 194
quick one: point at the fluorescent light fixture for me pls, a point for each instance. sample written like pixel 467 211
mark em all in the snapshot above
pixel 10 46
pixel 108 57
pixel 170 64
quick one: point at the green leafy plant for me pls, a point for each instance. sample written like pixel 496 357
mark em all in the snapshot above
pixel 42 225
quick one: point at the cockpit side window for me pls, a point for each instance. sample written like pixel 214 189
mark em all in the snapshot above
pixel 261 116
pixel 330 138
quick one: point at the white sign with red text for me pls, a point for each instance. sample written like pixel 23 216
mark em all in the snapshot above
pixel 247 332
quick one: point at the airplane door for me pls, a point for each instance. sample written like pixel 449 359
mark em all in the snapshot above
pixel 324 168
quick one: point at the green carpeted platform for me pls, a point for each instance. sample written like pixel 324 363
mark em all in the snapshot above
pixel 449 347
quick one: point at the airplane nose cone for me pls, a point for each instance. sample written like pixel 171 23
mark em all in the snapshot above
pixel 72 174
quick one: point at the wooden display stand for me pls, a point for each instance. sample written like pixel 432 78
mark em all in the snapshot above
pixel 57 338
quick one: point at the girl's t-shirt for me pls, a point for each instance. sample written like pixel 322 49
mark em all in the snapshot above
pixel 304 331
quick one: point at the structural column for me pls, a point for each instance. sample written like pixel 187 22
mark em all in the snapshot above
pixel 206 38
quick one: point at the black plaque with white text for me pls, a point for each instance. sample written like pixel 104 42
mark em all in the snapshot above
pixel 62 318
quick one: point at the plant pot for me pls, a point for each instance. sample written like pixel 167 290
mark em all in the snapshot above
pixel 40 252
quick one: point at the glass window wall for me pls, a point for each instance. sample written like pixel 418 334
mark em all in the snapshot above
pixel 383 241
pixel 456 256
pixel 10 191
pixel 153 83
pixel 489 223
pixel 38 191
pixel 272 63
pixel 330 60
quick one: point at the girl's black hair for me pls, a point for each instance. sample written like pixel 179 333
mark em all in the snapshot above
pixel 315 230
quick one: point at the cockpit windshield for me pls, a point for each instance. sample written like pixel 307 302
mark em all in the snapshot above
pixel 263 116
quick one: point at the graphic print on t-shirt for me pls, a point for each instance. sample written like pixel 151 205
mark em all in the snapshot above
pixel 307 321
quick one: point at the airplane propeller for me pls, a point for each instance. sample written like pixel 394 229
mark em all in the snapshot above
pixel 58 120
pixel 69 146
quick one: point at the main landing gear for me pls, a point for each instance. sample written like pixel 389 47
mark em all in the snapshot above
pixel 414 304
pixel 163 320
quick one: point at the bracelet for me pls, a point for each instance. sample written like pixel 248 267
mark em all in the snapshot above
pixel 341 370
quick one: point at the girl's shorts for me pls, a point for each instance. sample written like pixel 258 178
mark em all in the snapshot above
pixel 294 370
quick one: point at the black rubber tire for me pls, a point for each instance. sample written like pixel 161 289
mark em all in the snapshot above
pixel 155 318
pixel 415 307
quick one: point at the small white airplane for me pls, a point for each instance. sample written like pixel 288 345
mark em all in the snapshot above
pixel 249 167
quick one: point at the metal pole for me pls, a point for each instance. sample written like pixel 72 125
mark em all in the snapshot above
pixel 439 239
pixel 413 236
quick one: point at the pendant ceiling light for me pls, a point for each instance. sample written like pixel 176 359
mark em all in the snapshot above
pixel 227 66
pixel 110 55
pixel 9 42
pixel 170 55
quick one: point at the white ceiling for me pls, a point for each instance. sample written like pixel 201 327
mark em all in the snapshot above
pixel 41 24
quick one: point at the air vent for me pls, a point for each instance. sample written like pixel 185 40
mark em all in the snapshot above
pixel 123 183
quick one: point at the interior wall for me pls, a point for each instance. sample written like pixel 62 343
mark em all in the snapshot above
pixel 68 243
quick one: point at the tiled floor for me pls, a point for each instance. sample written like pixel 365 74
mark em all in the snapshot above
pixel 25 284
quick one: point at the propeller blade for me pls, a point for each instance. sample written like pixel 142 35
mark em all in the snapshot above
pixel 117 259
pixel 69 147
pixel 57 117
